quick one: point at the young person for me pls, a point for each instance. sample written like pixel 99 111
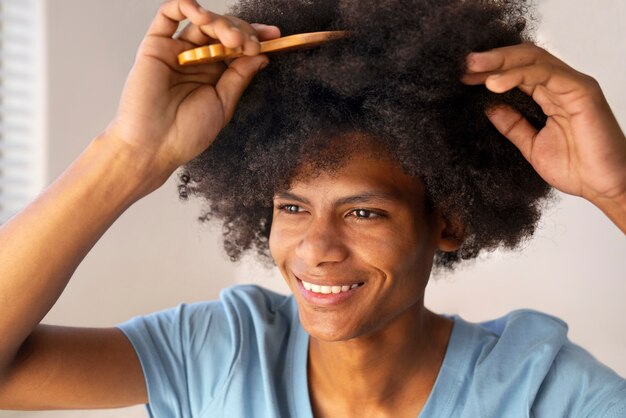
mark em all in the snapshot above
pixel 356 166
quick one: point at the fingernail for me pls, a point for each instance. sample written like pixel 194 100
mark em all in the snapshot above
pixel 263 65
pixel 235 29
pixel 254 39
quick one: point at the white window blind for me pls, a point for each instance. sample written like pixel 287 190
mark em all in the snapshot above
pixel 22 115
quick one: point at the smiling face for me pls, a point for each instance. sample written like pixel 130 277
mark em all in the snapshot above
pixel 355 246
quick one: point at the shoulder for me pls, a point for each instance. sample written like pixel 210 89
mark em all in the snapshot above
pixel 256 300
pixel 237 306
pixel 523 318
pixel 192 353
pixel 538 368
pixel 523 336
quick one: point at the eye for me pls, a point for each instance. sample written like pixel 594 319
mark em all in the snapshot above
pixel 365 214
pixel 290 209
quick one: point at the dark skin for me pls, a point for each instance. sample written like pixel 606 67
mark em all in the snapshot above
pixel 581 150
pixel 378 351
pixel 167 116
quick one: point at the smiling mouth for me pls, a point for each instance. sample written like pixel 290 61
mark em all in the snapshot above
pixel 326 290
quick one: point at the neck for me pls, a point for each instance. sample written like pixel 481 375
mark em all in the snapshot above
pixel 389 370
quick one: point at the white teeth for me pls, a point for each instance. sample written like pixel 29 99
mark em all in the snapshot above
pixel 315 288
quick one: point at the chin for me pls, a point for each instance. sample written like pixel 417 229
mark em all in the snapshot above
pixel 327 329
pixel 329 336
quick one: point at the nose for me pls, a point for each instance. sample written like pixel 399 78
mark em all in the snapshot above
pixel 322 243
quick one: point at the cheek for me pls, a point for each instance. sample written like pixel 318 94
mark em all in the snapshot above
pixel 279 243
pixel 378 249
pixel 401 254
pixel 273 243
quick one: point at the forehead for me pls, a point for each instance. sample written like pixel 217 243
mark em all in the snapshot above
pixel 364 171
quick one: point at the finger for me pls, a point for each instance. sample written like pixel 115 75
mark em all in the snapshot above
pixel 266 32
pixel 251 44
pixel 194 35
pixel 172 12
pixel 225 31
pixel 514 127
pixel 235 79
pixel 207 73
pixel 257 32
pixel 253 33
pixel 228 30
pixel 527 79
pixel 505 58
pixel 474 79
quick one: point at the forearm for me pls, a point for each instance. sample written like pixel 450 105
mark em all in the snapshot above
pixel 41 247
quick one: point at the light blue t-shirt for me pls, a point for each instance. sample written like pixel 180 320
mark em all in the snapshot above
pixel 246 356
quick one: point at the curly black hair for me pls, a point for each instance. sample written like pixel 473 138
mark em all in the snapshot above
pixel 396 78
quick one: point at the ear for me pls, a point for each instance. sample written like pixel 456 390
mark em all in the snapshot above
pixel 449 232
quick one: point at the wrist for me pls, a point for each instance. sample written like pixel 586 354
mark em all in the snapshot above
pixel 614 207
pixel 143 173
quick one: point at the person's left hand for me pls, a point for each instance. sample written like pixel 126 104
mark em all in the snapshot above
pixel 581 150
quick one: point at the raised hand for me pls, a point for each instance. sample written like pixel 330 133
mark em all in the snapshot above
pixel 581 150
pixel 169 113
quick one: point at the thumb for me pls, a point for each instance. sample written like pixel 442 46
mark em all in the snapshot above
pixel 514 126
pixel 236 79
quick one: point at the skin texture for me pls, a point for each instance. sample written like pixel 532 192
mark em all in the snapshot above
pixel 368 223
pixel 167 116
pixel 318 238
pixel 581 150
pixel 48 367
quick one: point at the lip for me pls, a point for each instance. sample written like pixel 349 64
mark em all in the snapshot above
pixel 330 299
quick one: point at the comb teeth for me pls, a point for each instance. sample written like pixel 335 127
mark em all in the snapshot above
pixel 209 53
pixel 218 52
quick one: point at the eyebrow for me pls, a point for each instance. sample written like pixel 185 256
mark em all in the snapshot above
pixel 347 200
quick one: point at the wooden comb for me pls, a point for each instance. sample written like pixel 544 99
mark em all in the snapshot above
pixel 218 52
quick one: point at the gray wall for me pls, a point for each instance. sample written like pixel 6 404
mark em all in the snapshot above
pixel 157 255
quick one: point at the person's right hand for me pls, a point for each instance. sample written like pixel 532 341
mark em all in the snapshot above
pixel 169 114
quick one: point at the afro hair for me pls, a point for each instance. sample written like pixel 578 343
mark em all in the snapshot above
pixel 396 78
